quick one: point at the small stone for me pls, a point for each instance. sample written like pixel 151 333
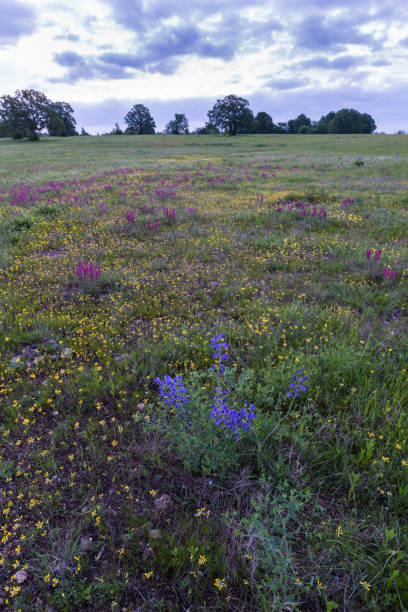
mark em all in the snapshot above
pixel 86 543
pixel 155 534
pixel 20 576
pixel 162 502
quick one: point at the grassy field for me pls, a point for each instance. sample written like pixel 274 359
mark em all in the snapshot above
pixel 214 414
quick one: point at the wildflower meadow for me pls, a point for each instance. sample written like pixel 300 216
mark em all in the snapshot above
pixel 203 373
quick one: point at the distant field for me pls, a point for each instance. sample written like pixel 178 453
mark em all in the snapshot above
pixel 203 373
pixel 64 157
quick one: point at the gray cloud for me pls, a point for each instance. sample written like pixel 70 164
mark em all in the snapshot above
pixel 156 41
pixel 86 68
pixel 317 33
pixel 162 52
pixel 67 36
pixel 341 62
pixel 17 19
pixel 174 42
pixel 285 84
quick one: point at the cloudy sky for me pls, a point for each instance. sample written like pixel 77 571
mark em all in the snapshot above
pixel 285 57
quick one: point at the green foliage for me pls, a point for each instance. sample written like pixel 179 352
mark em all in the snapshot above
pixel 267 538
pixel 296 125
pixel 139 120
pixel 178 125
pixel 263 124
pixel 346 121
pixel 231 115
pixel 29 111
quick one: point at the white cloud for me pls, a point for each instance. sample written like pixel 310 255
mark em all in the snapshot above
pixel 211 49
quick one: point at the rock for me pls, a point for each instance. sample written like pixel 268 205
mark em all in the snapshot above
pixel 162 502
pixel 86 543
pixel 20 576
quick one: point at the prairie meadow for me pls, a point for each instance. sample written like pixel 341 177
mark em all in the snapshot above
pixel 203 373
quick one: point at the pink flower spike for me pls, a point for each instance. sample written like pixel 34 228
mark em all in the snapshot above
pixel 368 254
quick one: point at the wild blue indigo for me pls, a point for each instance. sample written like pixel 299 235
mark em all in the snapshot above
pixel 174 393
pixel 298 385
pixel 219 345
pixel 232 419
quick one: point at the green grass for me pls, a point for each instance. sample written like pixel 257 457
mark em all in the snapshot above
pixel 108 499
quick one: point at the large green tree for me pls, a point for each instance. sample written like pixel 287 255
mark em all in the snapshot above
pixel 28 112
pixel 301 121
pixel 232 115
pixel 25 113
pixel 178 125
pixel 61 121
pixel 263 123
pixel 139 120
pixel 346 121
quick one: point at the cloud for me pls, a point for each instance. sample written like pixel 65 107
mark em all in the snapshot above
pixel 17 19
pixel 316 32
pixel 67 36
pixel 162 52
pixel 207 29
pixel 341 62
pixel 170 43
pixel 285 84
pixel 88 68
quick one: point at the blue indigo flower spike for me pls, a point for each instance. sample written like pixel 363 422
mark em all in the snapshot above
pixel 298 385
pixel 220 355
pixel 174 393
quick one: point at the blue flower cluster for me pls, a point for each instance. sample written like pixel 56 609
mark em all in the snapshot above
pixel 174 393
pixel 234 420
pixel 298 385
pixel 219 345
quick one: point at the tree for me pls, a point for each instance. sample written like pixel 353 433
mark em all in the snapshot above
pixel 324 121
pixel 26 113
pixel 263 123
pixel 350 121
pixel 295 124
pixel 368 125
pixel 179 125
pixel 139 120
pixel 4 130
pixel 61 121
pixel 116 130
pixel 209 128
pixel 281 128
pixel 231 115
pixel 83 132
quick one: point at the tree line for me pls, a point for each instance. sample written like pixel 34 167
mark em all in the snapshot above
pixel 29 112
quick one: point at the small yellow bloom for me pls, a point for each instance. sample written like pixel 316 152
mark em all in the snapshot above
pixel 365 584
pixel 220 583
